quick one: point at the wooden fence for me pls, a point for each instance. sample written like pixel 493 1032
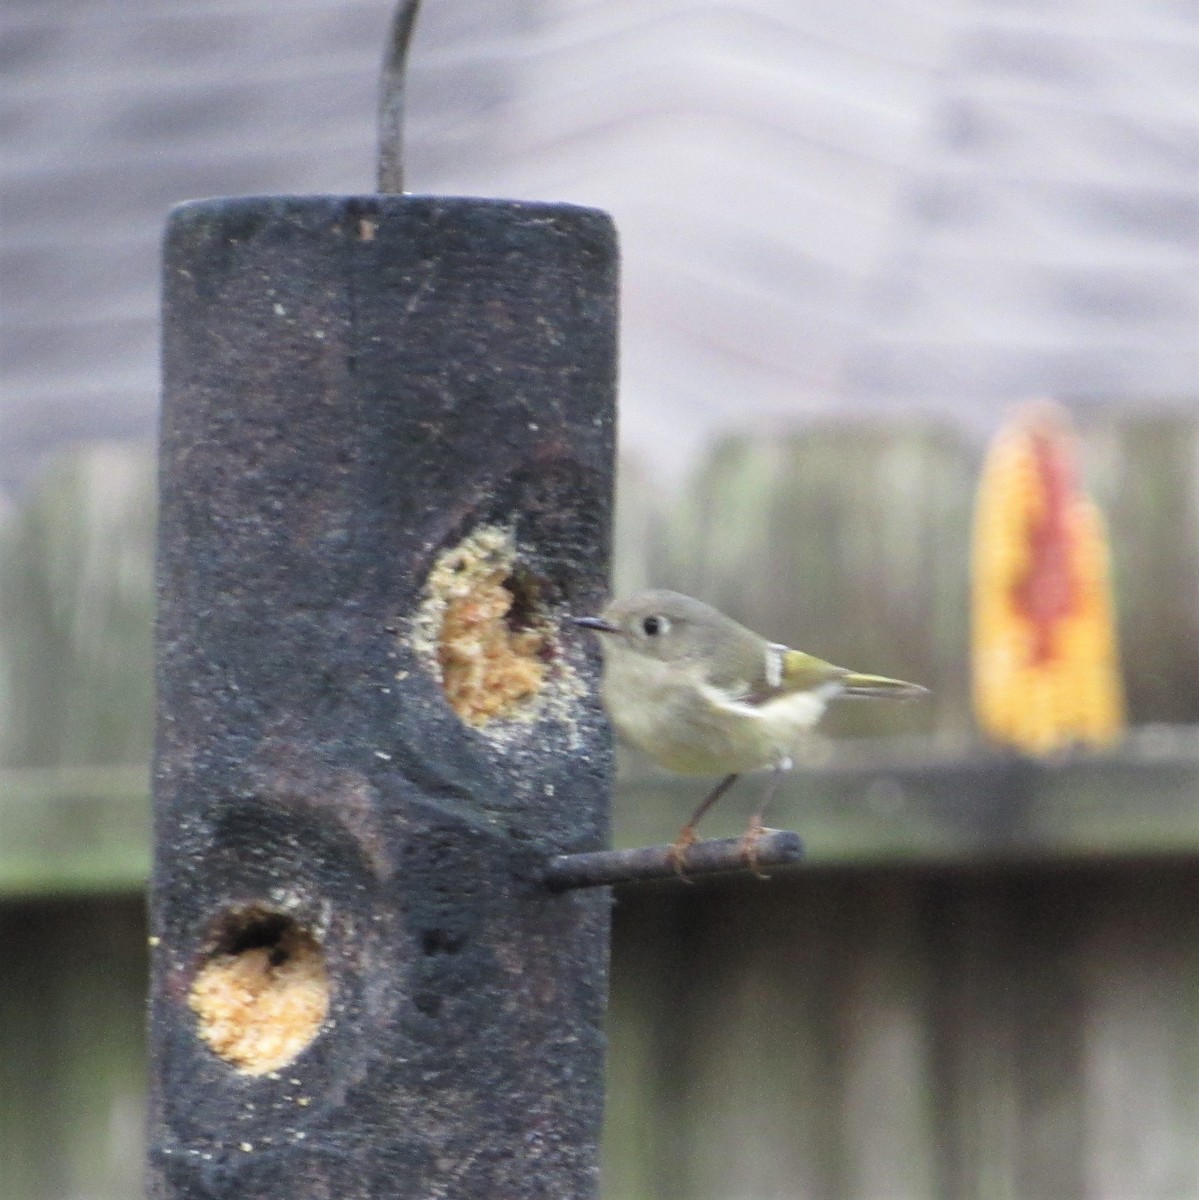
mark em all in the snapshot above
pixel 984 985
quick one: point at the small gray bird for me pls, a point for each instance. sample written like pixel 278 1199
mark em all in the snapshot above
pixel 703 695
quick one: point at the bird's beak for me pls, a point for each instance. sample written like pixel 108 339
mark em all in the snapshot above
pixel 596 623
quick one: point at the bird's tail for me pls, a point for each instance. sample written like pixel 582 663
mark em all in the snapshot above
pixel 855 686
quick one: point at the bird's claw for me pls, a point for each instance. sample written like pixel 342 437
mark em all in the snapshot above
pixel 678 852
pixel 749 845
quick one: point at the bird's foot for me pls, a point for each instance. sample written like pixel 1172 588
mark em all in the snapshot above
pixel 678 851
pixel 749 845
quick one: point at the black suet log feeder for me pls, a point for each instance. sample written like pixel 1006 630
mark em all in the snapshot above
pixel 386 478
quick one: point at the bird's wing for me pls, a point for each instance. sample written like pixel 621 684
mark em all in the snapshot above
pixel 785 671
pixel 781 671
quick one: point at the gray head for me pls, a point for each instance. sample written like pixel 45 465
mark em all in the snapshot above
pixel 670 627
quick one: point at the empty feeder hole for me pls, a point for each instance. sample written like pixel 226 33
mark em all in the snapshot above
pixel 262 992
pixel 486 627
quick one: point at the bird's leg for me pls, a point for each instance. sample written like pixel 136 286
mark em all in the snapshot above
pixel 755 828
pixel 687 834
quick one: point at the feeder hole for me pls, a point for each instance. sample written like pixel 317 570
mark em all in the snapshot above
pixel 261 992
pixel 492 638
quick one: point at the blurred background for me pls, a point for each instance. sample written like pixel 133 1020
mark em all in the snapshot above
pixel 853 238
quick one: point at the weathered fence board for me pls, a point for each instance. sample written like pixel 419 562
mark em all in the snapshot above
pixel 966 1034
pixel 1145 476
pixel 76 602
pixel 76 605
pixel 74 829
pixel 891 800
pixel 72 1035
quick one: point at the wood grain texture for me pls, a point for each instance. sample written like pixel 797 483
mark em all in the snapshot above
pixel 76 605
pixel 940 1035
pixel 72 1027
pixel 1144 474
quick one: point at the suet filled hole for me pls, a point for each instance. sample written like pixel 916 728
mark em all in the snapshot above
pixel 262 992
pixel 489 634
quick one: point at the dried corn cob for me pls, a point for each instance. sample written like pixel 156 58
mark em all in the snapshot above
pixel 1045 662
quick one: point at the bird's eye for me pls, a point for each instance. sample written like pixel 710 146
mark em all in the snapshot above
pixel 653 626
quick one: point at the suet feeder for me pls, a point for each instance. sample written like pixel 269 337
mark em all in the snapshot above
pixel 386 472
pixel 382 777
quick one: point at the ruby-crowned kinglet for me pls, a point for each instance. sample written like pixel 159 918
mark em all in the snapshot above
pixel 703 695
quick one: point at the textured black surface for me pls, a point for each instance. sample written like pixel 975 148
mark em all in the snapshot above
pixel 351 386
